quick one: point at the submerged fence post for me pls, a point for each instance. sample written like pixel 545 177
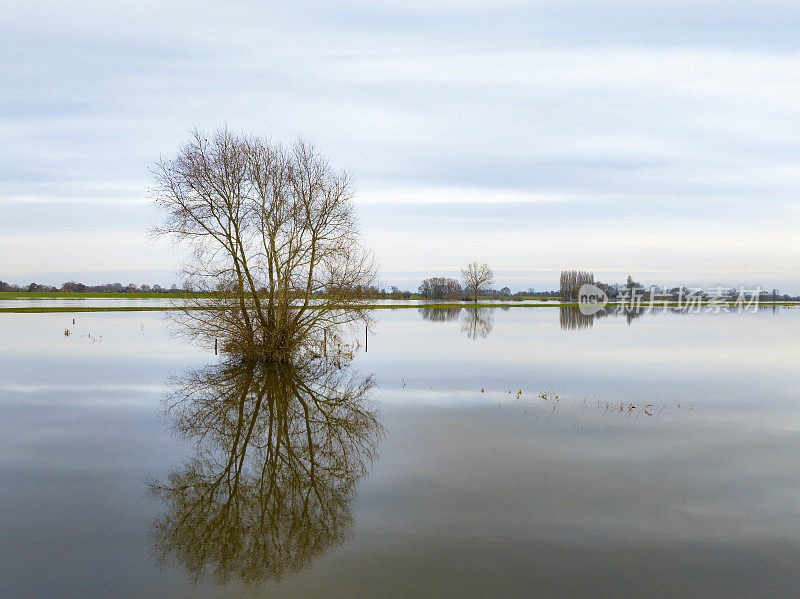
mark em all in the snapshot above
pixel 366 339
pixel 215 347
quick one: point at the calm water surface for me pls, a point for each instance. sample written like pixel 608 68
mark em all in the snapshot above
pixel 499 452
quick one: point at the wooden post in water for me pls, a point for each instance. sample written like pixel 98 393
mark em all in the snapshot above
pixel 215 347
pixel 366 339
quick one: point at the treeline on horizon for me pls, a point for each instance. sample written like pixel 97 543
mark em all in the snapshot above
pixel 436 288
pixel 73 287
pixel 572 280
pixel 432 288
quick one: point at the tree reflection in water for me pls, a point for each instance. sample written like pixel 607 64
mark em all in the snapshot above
pixel 573 318
pixel 279 452
pixel 477 323
pixel 440 314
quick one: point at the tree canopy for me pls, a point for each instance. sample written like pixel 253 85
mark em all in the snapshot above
pixel 274 240
pixel 477 276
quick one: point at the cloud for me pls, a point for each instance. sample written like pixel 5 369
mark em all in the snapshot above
pixel 548 117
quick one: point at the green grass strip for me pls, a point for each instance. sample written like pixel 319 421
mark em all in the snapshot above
pixel 67 309
pixel 49 309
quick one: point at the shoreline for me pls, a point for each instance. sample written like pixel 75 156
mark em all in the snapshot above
pixel 435 306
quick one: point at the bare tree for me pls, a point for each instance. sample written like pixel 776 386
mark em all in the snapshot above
pixel 275 244
pixel 440 288
pixel 477 276
pixel 571 281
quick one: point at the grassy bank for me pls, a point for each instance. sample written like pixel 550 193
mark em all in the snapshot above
pixel 68 309
pixel 32 295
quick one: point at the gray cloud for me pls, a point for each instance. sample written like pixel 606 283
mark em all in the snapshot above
pixel 548 127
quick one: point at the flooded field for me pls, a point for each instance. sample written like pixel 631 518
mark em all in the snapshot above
pixel 466 453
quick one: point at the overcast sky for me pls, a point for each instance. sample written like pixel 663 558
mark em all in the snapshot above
pixel 656 138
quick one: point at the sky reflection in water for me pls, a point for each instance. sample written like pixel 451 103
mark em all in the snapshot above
pixel 506 465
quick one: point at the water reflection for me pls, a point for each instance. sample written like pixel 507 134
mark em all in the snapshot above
pixel 573 318
pixel 278 454
pixel 440 314
pixel 476 323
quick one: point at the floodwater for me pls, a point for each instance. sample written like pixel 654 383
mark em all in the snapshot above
pixel 518 452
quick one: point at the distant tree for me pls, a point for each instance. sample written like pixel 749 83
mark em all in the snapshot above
pixel 571 281
pixel 477 276
pixel 424 289
pixel 505 291
pixel 440 288
pixel 609 290
pixel 397 294
pixel 631 284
